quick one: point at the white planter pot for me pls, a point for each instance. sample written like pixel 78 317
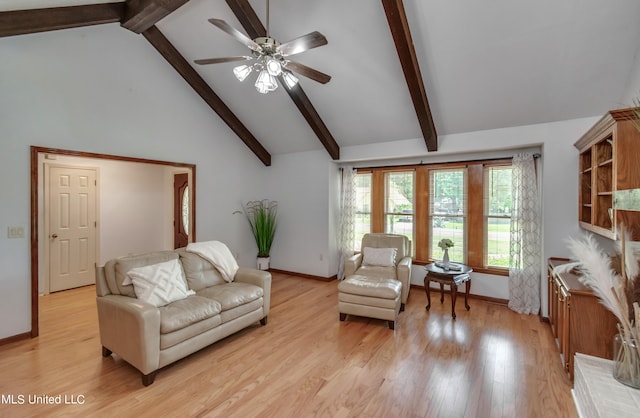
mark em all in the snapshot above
pixel 263 263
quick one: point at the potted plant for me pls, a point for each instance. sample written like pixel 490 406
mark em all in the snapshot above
pixel 261 215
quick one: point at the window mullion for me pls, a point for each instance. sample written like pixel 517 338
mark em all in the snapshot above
pixel 377 197
pixel 476 222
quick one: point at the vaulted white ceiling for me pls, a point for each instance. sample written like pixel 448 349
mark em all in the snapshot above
pixel 485 65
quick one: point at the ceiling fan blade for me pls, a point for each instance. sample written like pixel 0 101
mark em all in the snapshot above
pixel 235 33
pixel 221 60
pixel 303 43
pixel 308 72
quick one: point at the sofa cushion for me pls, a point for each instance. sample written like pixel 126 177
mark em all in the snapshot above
pixel 122 265
pixel 184 312
pixel 185 334
pixel 198 271
pixel 237 312
pixel 159 284
pixel 233 294
pixel 219 255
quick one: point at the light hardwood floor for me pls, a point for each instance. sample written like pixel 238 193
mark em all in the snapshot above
pixel 490 362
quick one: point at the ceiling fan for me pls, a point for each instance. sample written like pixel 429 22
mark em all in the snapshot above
pixel 271 57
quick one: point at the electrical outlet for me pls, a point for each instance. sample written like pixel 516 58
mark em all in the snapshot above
pixel 321 257
pixel 15 232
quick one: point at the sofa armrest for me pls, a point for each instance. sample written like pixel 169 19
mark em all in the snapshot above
pixel 352 264
pixel 403 273
pixel 131 329
pixel 259 278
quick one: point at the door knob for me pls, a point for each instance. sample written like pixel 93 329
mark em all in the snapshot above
pixel 54 236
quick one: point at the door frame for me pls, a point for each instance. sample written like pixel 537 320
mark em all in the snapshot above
pixel 34 202
pixel 46 207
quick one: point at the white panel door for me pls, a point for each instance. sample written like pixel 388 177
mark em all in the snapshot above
pixel 72 227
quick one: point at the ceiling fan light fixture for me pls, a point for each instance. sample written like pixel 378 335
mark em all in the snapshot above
pixel 265 82
pixel 242 71
pixel 273 67
pixel 289 79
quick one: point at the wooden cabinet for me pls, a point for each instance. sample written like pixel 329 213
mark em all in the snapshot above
pixel 609 155
pixel 579 322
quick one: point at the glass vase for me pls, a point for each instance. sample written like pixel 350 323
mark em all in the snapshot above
pixel 626 361
pixel 445 259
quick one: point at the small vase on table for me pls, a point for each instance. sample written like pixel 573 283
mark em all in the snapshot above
pixel 445 259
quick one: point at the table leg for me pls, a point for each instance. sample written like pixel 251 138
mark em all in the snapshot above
pixel 454 293
pixel 466 294
pixel 426 288
pixel 441 293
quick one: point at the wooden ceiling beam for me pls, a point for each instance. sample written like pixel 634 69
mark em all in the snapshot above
pixel 254 28
pixel 22 22
pixel 397 19
pixel 140 15
pixel 177 61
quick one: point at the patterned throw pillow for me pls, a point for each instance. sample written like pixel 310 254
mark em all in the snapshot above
pixel 385 257
pixel 159 284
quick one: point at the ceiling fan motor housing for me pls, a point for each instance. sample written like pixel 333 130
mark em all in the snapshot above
pixel 268 45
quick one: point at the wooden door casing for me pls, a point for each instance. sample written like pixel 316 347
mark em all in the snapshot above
pixel 180 187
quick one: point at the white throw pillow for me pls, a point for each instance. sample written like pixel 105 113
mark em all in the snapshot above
pixel 385 257
pixel 159 284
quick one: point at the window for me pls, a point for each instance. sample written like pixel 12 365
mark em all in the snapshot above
pixel 363 207
pixel 467 202
pixel 497 210
pixel 398 203
pixel 448 212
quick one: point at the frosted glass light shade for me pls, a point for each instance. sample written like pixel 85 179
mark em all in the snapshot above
pixel 289 79
pixel 242 71
pixel 265 82
pixel 274 67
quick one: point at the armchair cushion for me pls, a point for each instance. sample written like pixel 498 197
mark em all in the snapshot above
pixel 385 257
pixel 365 286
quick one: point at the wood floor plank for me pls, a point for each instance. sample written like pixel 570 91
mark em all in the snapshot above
pixel 490 362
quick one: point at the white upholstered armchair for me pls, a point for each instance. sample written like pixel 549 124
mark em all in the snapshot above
pixel 377 265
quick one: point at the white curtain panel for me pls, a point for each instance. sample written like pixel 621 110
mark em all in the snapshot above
pixel 347 217
pixel 525 251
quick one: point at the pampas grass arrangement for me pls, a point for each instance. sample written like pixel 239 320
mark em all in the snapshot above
pixel 615 281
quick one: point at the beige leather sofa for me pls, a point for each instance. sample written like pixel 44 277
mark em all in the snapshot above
pixel 150 337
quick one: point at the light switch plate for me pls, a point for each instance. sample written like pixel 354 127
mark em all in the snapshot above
pixel 15 232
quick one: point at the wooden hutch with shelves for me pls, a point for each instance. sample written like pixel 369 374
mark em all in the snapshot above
pixel 609 162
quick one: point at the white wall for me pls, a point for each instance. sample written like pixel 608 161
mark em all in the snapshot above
pixel 300 183
pixel 633 85
pixel 103 89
